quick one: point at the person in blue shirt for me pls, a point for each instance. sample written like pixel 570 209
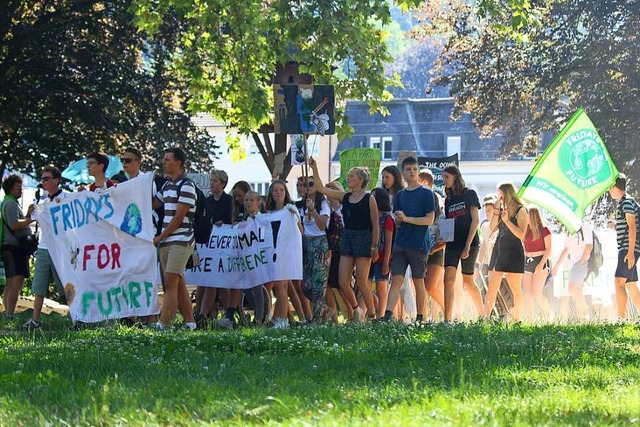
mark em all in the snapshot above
pixel 414 210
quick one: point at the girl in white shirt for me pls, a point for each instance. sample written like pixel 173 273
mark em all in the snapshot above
pixel 315 219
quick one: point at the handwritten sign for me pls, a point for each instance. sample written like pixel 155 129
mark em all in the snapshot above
pixel 436 165
pixel 260 250
pixel 368 158
pixel 102 248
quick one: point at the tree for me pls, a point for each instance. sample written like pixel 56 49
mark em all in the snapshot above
pixel 233 51
pixel 414 69
pixel 76 76
pixel 582 53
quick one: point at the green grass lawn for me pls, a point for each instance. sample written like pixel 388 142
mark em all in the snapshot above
pixel 386 374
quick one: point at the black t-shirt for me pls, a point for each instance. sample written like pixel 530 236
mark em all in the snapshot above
pixel 458 206
pixel 220 210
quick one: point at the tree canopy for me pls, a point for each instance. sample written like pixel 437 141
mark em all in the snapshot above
pixel 77 76
pixel 580 54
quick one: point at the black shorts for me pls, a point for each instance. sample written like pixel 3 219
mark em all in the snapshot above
pixel 334 268
pixel 16 262
pixel 452 258
pixel 356 243
pixel 436 258
pixel 623 270
pixel 530 263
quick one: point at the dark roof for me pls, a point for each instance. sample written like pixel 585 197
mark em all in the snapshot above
pixel 421 125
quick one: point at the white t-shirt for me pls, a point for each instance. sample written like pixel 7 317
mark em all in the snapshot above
pixel 310 227
pixel 577 242
pixel 489 238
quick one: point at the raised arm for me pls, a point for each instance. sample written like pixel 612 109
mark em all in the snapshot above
pixel 332 194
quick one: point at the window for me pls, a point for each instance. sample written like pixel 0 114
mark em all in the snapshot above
pixel 453 145
pixel 384 144
pixel 260 187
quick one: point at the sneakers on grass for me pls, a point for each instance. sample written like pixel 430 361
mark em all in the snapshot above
pixel 358 315
pixel 31 325
pixel 281 323
pixel 224 323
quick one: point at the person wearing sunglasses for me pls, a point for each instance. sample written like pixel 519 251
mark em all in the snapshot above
pixel 131 162
pixel 44 269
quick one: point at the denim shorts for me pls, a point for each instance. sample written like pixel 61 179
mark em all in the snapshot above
pixel 356 243
pixel 578 273
pixel 375 272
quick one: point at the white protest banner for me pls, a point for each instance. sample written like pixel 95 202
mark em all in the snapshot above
pixel 251 253
pixel 102 247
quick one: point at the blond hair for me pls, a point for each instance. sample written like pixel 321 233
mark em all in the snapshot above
pixel 535 222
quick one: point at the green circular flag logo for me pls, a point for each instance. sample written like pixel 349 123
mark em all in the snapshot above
pixel 582 159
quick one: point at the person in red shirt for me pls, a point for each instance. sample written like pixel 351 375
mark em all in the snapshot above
pixel 379 270
pixel 537 250
pixel 97 164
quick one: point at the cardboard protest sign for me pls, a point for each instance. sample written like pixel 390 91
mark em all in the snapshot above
pixel 256 251
pixel 368 158
pixel 304 109
pixel 102 247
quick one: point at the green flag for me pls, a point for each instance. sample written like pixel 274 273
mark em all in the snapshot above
pixel 572 173
pixel 368 158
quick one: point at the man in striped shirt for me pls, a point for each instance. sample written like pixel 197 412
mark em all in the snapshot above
pixel 176 241
pixel 627 224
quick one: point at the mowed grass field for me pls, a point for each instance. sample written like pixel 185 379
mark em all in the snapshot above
pixel 377 374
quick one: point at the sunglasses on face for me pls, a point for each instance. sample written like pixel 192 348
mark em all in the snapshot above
pixel 127 160
pixel 46 178
pixel 310 184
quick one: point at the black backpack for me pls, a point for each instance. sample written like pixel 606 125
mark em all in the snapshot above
pixel 201 220
pixel 596 258
pixel 160 181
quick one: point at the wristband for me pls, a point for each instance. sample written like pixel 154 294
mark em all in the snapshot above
pixel 374 248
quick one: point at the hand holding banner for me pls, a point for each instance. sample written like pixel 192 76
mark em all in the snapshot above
pixel 102 247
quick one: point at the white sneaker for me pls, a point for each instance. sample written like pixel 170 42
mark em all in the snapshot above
pixel 281 323
pixel 358 315
pixel 224 323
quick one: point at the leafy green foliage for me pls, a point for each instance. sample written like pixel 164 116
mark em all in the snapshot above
pixel 230 52
pixel 76 76
pixel 582 54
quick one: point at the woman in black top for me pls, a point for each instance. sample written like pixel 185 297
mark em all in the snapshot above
pixel 359 242
pixel 462 206
pixel 507 258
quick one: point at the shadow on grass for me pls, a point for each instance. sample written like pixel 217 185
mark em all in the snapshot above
pixel 386 373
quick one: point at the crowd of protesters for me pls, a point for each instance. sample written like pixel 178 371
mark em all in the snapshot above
pixel 367 256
